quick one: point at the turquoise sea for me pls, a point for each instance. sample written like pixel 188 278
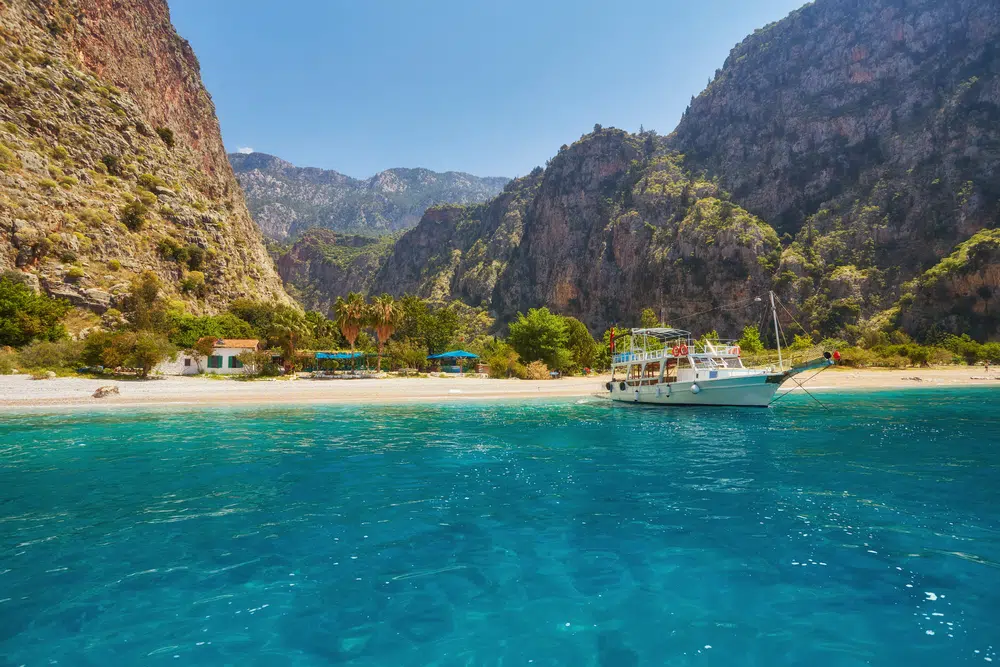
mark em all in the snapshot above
pixel 570 533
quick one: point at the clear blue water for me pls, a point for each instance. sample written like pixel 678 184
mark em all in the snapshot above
pixel 506 534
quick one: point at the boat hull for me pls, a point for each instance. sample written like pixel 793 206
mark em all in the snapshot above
pixel 752 391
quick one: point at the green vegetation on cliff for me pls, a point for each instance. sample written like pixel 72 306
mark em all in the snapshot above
pixel 94 176
pixel 866 132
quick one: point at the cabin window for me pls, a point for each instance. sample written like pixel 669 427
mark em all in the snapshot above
pixel 187 362
pixel 235 363
pixel 215 361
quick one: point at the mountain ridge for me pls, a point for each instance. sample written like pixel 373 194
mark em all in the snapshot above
pixel 866 134
pixel 285 199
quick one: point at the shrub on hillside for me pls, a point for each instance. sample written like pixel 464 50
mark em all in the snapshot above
pixel 167 135
pixel 112 164
pixel 134 215
pixel 8 159
pixel 150 181
pixel 194 283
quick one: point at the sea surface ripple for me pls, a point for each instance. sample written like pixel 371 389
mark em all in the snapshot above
pixel 560 533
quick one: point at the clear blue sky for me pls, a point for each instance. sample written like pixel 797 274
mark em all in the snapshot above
pixel 492 88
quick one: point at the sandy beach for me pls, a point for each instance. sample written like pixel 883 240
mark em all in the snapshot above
pixel 21 392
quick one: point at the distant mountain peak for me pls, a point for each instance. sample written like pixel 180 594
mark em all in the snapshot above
pixel 257 160
pixel 286 200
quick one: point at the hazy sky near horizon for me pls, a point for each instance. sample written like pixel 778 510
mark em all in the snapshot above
pixel 491 88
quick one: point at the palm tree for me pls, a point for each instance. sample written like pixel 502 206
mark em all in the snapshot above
pixel 351 315
pixel 288 329
pixel 385 317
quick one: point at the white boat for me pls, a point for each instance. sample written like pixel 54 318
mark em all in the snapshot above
pixel 666 367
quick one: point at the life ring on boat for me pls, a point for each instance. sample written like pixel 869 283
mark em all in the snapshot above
pixel 676 351
pixel 621 385
pixel 735 350
pixel 684 350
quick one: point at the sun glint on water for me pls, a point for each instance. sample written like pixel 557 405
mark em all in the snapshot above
pixel 563 533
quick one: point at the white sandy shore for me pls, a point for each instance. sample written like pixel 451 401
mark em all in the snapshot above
pixel 21 392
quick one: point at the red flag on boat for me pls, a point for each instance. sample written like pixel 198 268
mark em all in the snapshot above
pixel 612 339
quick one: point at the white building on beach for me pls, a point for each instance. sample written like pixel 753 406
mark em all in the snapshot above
pixel 222 361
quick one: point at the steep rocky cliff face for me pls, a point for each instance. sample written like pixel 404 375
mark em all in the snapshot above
pixel 111 160
pixel 870 132
pixel 866 133
pixel 960 294
pixel 619 225
pixel 323 264
pixel 285 200
pixel 459 252
pixel 613 225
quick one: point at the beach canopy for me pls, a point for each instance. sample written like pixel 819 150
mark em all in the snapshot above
pixel 454 354
pixel 340 355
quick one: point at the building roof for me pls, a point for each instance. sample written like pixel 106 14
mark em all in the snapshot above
pixel 249 343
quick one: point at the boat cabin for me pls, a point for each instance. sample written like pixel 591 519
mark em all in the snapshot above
pixel 663 355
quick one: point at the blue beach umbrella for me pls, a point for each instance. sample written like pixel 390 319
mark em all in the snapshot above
pixel 454 354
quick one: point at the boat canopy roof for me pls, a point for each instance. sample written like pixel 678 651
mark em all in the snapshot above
pixel 661 333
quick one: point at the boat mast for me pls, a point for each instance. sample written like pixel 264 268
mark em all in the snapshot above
pixel 777 336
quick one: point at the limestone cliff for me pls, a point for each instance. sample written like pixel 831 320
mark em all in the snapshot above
pixel 870 132
pixel 323 264
pixel 960 294
pixel 459 252
pixel 613 225
pixel 111 159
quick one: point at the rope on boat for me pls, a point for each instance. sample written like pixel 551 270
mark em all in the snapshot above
pixel 809 393
pixel 791 316
pixel 781 333
pixel 796 381
pixel 711 310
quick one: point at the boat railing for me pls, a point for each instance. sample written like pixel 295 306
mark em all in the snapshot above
pixel 714 347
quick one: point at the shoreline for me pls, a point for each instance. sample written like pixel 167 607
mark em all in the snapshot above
pixel 20 392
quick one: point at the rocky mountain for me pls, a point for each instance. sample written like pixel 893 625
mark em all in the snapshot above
pixel 111 160
pixel 866 133
pixel 613 225
pixel 323 264
pixel 869 131
pixel 285 200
